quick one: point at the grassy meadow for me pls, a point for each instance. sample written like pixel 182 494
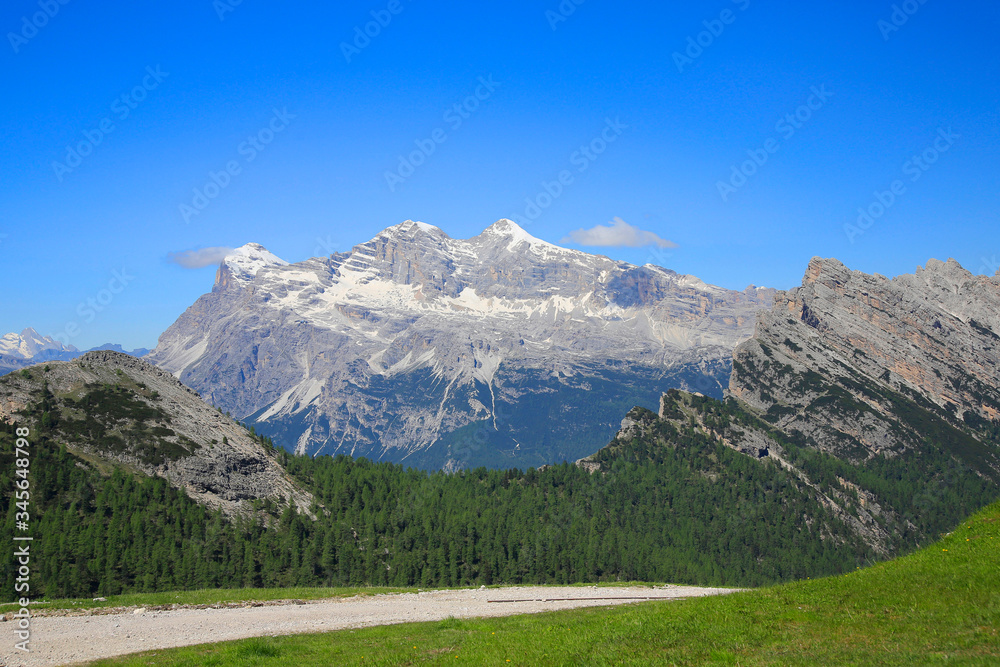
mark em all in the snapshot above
pixel 940 605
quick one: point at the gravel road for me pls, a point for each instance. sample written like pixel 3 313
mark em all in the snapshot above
pixel 60 640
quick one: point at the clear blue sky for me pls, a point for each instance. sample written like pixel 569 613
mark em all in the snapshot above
pixel 320 184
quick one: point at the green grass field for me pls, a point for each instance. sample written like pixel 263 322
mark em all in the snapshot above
pixel 940 605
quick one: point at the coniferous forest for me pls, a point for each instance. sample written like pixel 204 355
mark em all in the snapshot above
pixel 693 511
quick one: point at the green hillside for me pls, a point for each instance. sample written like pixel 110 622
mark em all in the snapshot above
pixel 940 605
pixel 698 512
pixel 670 502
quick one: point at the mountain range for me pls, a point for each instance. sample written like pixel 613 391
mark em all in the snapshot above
pixel 29 347
pixel 499 350
pixel 859 422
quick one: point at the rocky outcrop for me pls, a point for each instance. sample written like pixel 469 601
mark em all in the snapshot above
pixel 443 352
pixel 109 406
pixel 848 360
pixel 880 396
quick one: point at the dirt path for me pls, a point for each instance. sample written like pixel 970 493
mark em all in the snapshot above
pixel 58 640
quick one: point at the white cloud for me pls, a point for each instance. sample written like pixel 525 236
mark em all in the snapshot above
pixel 618 233
pixel 196 259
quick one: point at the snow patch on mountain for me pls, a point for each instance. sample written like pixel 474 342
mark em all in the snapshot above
pixel 29 343
pixel 247 260
pixel 388 347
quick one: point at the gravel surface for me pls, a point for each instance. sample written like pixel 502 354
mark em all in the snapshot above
pixel 60 640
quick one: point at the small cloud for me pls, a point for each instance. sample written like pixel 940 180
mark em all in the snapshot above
pixel 618 233
pixel 197 259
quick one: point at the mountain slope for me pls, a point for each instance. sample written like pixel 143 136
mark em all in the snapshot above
pixel 446 352
pixel 860 365
pixel 698 512
pixel 115 410
pixel 879 395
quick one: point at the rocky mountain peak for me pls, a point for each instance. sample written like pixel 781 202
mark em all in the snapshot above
pixel 949 273
pixel 508 235
pixel 240 267
pixel 826 271
pixel 932 332
pixel 888 376
pixel 414 227
pixel 507 229
pixel 409 340
pixel 29 343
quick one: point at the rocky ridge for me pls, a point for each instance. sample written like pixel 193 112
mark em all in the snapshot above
pixel 110 407
pixel 842 359
pixel 881 396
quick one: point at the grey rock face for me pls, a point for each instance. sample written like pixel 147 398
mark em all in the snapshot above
pixel 893 382
pixel 216 462
pixel 418 347
pixel 931 339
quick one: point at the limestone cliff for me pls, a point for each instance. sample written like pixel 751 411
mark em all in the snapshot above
pixel 500 350
pixel 860 364
pixel 879 396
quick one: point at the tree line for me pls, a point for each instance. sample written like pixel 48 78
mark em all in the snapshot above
pixel 671 505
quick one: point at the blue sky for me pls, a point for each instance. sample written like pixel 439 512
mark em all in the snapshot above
pixel 682 96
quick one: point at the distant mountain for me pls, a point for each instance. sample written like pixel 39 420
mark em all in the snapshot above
pixel 109 408
pixel 29 347
pixel 882 396
pixel 499 350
